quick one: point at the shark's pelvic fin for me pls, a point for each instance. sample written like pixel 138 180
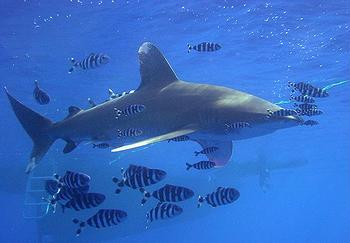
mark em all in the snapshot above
pixel 156 73
pixel 220 156
pixel 156 139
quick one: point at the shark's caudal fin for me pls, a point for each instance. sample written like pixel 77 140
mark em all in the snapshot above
pixel 156 73
pixel 37 128
pixel 221 156
pixel 160 138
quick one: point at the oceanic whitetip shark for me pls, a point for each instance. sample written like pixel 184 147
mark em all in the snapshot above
pixel 172 108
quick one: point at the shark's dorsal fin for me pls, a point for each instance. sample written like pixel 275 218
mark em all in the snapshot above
pixel 72 110
pixel 160 138
pixel 155 70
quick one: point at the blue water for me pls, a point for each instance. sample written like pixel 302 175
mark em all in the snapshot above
pixel 265 44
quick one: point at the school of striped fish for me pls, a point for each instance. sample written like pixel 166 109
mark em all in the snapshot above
pixel 305 101
pixel 71 191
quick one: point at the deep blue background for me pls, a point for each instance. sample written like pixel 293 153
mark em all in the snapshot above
pixel 265 44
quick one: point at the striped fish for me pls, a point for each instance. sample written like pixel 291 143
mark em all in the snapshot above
pixel 306 106
pixel 201 165
pixel 84 201
pixel 40 95
pixel 310 112
pixel 100 145
pixel 281 113
pixel 163 211
pixel 204 47
pixel 234 127
pixel 168 193
pixel 51 187
pixel 92 61
pixel 308 89
pixel 130 110
pixel 102 219
pixel 182 138
pixel 220 197
pixel 64 192
pixel 73 179
pixel 67 193
pixel 61 193
pixel 302 98
pixel 310 123
pixel 139 178
pixel 207 150
pixel 132 169
pixel 129 132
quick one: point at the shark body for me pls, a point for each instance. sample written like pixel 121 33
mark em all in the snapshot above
pixel 172 108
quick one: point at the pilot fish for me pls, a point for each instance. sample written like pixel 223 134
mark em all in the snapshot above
pixel 180 138
pixel 204 47
pixel 207 150
pixel 309 112
pixel 310 123
pixel 130 110
pixel 132 169
pixel 308 89
pixel 139 178
pixel 102 219
pixel 92 61
pixel 221 196
pixel 83 201
pixel 73 179
pixel 306 106
pixel 129 132
pixel 201 165
pixel 302 98
pixel 281 113
pixel 100 145
pixel 168 193
pixel 40 95
pixel 163 211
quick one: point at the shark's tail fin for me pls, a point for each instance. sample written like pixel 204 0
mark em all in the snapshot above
pixel 37 128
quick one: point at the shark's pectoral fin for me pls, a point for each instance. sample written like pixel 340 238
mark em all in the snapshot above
pixel 220 156
pixel 160 138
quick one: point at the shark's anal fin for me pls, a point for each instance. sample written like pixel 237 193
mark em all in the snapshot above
pixel 220 156
pixel 154 68
pixel 156 139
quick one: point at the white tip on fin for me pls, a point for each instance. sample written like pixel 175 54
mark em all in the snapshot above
pixel 155 139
